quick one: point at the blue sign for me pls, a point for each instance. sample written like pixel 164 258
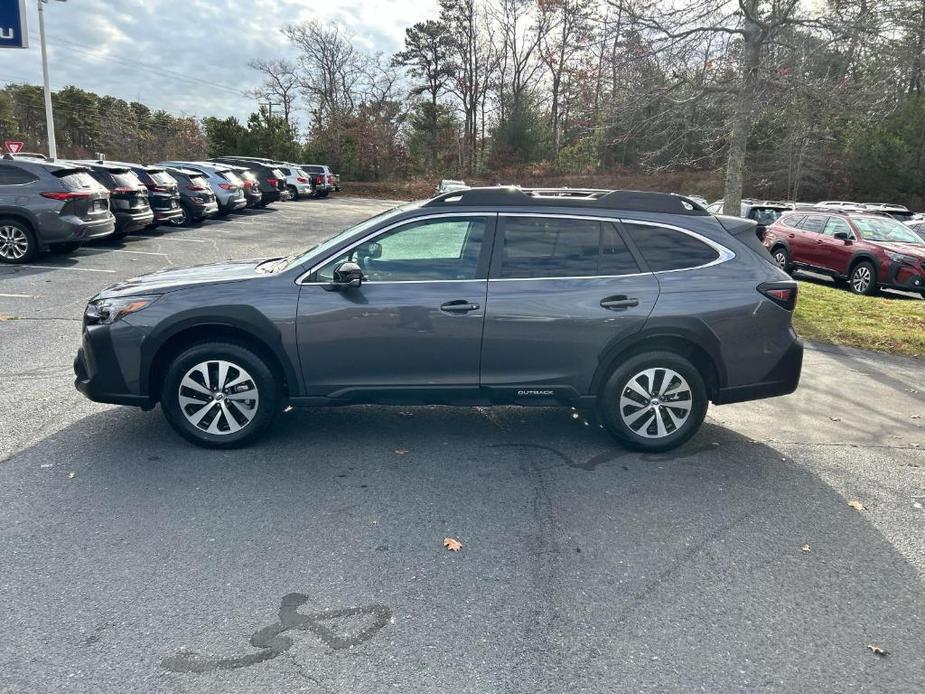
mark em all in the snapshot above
pixel 13 30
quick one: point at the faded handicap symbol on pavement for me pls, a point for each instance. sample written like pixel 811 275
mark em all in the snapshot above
pixel 272 642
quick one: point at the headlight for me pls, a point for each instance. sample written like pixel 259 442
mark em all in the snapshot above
pixel 900 258
pixel 105 311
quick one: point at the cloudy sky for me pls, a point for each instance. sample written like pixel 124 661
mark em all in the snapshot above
pixel 188 56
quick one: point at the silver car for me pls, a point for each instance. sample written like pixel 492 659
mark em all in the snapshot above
pixel 227 185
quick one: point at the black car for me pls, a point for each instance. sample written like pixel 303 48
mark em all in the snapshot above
pixel 163 195
pixel 197 201
pixel 641 307
pixel 127 195
pixel 48 206
pixel 272 181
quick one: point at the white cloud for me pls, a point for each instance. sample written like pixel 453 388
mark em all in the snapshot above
pixel 189 56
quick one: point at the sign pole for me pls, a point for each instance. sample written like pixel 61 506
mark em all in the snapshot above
pixel 49 115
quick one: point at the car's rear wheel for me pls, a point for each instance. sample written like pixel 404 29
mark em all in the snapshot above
pixel 17 242
pixel 220 395
pixel 863 279
pixel 293 192
pixel 782 258
pixel 654 401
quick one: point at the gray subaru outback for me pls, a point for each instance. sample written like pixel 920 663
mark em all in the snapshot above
pixel 48 205
pixel 638 307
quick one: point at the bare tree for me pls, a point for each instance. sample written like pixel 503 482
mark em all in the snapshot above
pixel 280 86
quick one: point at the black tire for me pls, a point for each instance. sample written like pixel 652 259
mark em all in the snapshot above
pixel 119 234
pixel 65 248
pixel 648 411
pixel 242 361
pixel 863 279
pixel 17 242
pixel 782 259
pixel 293 192
pixel 323 194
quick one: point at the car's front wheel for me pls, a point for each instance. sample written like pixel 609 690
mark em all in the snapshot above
pixel 220 395
pixel 863 278
pixel 654 401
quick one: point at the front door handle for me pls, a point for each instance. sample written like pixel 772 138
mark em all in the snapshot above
pixel 615 303
pixel 459 306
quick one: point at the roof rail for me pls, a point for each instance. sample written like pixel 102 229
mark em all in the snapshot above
pixel 636 200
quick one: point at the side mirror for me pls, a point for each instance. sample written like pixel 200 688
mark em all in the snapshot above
pixel 348 274
pixel 843 235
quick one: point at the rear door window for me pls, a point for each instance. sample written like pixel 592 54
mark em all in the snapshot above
pixel 814 223
pixel 667 249
pixel 562 247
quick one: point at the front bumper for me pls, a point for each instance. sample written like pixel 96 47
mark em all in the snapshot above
pixel 782 379
pixel 97 373
pixel 906 277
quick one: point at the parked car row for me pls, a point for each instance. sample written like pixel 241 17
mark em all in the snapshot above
pixel 59 205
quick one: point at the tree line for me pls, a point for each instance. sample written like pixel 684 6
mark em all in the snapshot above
pixel 786 99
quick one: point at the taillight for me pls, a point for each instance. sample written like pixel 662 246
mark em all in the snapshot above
pixel 272 182
pixel 196 188
pixel 156 188
pixel 227 186
pixel 125 190
pixel 66 196
pixel 319 180
pixel 782 294
pixel 302 179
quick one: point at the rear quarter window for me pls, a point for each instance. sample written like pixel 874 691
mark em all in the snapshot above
pixel 792 220
pixel 814 223
pixel 668 249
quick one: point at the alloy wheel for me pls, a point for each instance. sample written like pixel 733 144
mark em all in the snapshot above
pixel 656 403
pixel 218 397
pixel 780 257
pixel 14 244
pixel 860 279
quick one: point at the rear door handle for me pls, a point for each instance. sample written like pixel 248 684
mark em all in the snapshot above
pixel 459 306
pixel 615 303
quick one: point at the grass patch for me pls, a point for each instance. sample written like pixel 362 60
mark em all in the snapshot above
pixel 884 324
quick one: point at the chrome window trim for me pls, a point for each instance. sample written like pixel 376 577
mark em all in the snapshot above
pixel 384 229
pixel 569 277
pixel 724 253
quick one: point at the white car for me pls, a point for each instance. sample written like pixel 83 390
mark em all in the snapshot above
pixel 298 183
pixel 450 186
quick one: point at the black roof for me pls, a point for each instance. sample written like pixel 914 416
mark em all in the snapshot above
pixel 637 200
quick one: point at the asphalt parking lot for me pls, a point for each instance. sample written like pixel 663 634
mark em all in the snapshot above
pixel 313 561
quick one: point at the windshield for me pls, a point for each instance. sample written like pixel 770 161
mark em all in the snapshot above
pixel 885 230
pixel 280 264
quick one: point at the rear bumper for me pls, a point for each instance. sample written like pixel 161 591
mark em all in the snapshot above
pixel 127 222
pixel 232 205
pixel 783 379
pixel 70 229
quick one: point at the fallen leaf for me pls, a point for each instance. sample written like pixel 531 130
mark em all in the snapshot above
pixel 856 505
pixel 876 650
pixel 451 544
pixel 71 475
pixel 835 419
pixel 5 317
pixel 401 451
pixel 805 548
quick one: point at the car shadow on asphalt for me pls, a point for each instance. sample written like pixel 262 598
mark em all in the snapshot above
pixel 582 562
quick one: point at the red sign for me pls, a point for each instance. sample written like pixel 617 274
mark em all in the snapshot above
pixel 12 147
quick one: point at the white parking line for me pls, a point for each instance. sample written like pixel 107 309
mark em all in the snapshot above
pixel 141 252
pixel 165 238
pixel 60 267
pixel 17 296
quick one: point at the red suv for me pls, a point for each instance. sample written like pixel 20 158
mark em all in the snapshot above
pixel 863 250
